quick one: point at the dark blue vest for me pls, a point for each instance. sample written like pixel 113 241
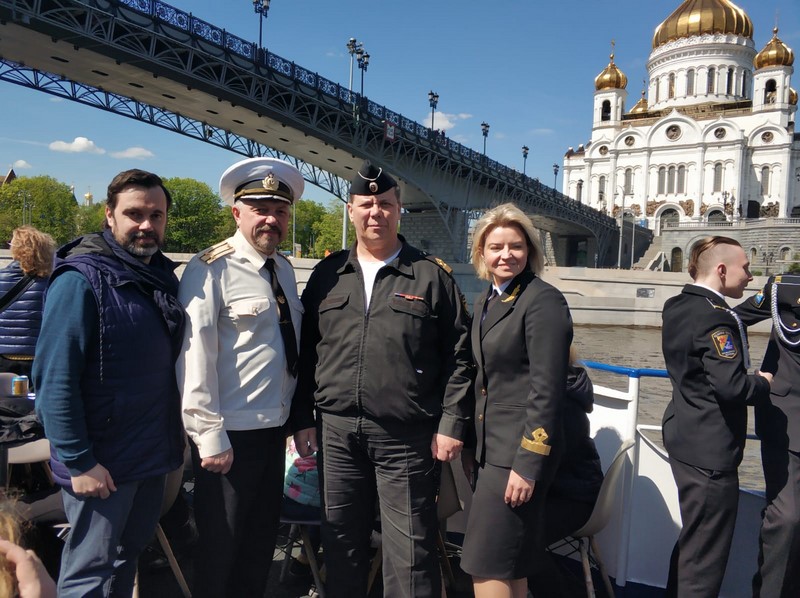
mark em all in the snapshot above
pixel 129 391
pixel 20 322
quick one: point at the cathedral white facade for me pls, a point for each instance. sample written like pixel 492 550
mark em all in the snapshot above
pixel 712 138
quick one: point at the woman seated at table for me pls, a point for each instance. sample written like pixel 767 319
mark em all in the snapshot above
pixel 521 334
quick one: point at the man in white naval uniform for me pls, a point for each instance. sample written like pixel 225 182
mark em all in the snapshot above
pixel 237 373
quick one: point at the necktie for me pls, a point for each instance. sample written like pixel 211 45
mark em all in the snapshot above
pixel 285 321
pixel 486 305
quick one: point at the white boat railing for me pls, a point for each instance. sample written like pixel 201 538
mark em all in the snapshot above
pixel 637 542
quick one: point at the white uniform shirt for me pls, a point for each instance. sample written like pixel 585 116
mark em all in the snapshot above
pixel 232 368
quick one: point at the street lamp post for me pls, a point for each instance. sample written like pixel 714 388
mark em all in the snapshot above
pixel 633 236
pixel 362 58
pixel 433 100
pixel 261 7
pixel 621 228
pixel 485 131
pixel 725 196
pixel 555 175
pixel 525 150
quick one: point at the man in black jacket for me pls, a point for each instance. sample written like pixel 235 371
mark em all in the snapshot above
pixel 705 423
pixel 385 357
pixel 778 427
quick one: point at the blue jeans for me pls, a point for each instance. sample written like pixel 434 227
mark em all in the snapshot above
pixel 102 550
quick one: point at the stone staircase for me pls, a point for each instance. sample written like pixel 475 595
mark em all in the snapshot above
pixel 651 254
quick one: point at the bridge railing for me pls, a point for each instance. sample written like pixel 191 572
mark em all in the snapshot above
pixel 186 21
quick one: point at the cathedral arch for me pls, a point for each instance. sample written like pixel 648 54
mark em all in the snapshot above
pixel 676 260
pixel 690 75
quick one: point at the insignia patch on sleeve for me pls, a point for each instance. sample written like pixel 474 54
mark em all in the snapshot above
pixel 723 343
pixel 758 298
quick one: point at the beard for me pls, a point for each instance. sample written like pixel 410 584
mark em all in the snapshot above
pixel 132 243
pixel 266 243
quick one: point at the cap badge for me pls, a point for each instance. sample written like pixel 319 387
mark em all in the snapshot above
pixel 270 183
pixel 373 186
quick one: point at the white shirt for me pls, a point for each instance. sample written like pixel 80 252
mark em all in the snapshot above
pixel 232 368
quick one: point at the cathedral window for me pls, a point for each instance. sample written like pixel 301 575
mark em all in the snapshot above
pixel 770 92
pixel 658 90
pixel 718 177
pixel 601 188
pixel 711 82
pixel 671 89
pixel 765 180
pixel 628 181
pixel 605 113
pixel 729 83
pixel 671 180
pixel 690 82
pixel 745 86
pixel 681 179
pixel 662 177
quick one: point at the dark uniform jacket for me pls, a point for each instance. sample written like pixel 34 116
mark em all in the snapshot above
pixel 405 360
pixel 521 351
pixel 705 423
pixel 778 419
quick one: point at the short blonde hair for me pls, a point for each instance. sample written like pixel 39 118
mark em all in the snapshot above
pixel 34 250
pixel 9 530
pixel 506 214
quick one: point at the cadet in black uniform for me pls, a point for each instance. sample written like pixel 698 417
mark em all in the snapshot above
pixel 385 353
pixel 778 427
pixel 705 423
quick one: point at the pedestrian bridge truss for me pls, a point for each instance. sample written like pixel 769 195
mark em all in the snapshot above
pixel 149 61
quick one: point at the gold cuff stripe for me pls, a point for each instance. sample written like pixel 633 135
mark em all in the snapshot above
pixel 536 444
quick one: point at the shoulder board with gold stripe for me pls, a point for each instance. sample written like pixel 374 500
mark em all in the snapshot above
pixel 440 262
pixel 216 251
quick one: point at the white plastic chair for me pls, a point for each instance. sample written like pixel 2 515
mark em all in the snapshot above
pixel 582 540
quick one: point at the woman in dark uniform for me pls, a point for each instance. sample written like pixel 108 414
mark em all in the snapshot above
pixel 521 335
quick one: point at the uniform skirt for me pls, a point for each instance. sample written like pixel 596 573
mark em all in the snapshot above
pixel 502 542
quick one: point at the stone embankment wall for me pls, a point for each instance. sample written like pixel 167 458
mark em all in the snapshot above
pixel 596 296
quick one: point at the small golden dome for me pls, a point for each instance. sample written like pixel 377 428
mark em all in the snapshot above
pixel 793 96
pixel 611 77
pixel 775 53
pixel 697 17
pixel 640 107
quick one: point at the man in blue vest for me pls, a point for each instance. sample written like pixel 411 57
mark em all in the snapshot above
pixel 106 389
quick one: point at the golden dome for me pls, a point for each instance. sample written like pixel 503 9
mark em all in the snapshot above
pixel 793 96
pixel 640 107
pixel 611 77
pixel 775 53
pixel 696 17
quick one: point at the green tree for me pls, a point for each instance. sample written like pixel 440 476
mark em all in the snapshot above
pixel 196 218
pixel 41 201
pixel 90 219
pixel 328 230
pixel 307 213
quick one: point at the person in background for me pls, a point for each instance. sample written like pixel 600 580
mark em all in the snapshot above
pixel 22 573
pixel 576 485
pixel 385 359
pixel 705 424
pixel 106 390
pixel 521 334
pixel 778 428
pixel 237 371
pixel 22 286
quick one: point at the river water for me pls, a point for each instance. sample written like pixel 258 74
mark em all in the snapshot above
pixel 641 348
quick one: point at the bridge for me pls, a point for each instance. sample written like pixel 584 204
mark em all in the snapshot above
pixel 149 61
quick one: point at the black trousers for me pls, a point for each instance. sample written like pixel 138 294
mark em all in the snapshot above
pixel 237 516
pixel 364 460
pixel 708 501
pixel 778 572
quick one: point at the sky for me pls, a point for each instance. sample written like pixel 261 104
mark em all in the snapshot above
pixel 526 67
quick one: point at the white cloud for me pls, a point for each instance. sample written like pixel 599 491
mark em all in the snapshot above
pixel 21 165
pixel 499 135
pixel 542 132
pixel 444 121
pixel 81 145
pixel 133 153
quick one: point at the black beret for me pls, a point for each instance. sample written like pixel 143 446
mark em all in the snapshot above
pixel 371 180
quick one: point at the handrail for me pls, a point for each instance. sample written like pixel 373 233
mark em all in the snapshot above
pixel 626 371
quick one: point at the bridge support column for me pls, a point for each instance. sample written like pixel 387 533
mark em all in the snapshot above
pixel 427 231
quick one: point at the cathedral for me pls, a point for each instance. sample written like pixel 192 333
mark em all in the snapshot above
pixel 712 138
